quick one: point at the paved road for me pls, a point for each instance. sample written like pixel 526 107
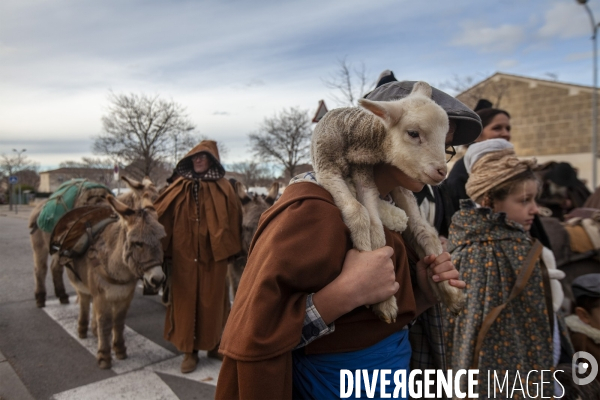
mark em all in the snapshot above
pixel 42 358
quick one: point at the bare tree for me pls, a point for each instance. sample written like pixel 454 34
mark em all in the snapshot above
pixel 88 162
pixel 284 139
pixel 350 83
pixel 143 128
pixel 469 89
pixel 253 173
pixel 13 163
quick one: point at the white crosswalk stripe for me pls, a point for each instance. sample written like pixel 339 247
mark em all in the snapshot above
pixel 136 374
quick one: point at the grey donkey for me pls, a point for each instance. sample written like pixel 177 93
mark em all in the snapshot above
pixel 409 134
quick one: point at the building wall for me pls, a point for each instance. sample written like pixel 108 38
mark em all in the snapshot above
pixel 550 121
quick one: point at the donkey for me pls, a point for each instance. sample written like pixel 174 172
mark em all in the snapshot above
pixel 106 274
pixel 40 240
pixel 409 134
pixel 252 208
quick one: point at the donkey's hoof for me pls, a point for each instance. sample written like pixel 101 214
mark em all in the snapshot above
pixel 104 364
pixel 121 355
pixel 64 299
pixel 40 300
pixel 82 334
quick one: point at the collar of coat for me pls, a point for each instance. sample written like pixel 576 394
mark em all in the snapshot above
pixel 577 325
pixel 473 224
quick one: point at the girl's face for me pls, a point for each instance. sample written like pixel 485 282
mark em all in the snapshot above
pixel 499 128
pixel 520 205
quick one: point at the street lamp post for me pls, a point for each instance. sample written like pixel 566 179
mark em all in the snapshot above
pixel 11 196
pixel 594 95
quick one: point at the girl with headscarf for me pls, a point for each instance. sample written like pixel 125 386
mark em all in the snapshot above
pixel 490 245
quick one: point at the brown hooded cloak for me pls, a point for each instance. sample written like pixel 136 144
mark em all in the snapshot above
pixel 201 235
pixel 299 247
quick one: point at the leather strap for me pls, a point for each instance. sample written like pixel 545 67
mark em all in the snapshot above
pixel 524 274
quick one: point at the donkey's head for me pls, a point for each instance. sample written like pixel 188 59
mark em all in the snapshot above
pixel 133 199
pixel 252 208
pixel 142 251
pixel 416 129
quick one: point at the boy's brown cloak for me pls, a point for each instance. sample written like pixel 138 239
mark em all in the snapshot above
pixel 299 247
pixel 199 240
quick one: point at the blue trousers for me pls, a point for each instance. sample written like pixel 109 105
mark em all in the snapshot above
pixel 317 376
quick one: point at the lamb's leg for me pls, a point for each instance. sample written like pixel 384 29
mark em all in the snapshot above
pixel 424 239
pixel 354 214
pixel 368 195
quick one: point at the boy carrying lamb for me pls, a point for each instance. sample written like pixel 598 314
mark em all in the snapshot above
pixel 299 315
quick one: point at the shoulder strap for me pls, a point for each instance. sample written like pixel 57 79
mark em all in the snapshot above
pixel 524 274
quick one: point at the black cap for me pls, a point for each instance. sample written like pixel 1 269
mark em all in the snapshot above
pixel 468 123
pixel 586 285
pixel 562 174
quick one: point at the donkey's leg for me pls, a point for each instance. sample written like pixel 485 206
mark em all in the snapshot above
pixel 84 314
pixel 119 313
pixel 40 262
pixel 354 214
pixel 57 278
pixel 103 314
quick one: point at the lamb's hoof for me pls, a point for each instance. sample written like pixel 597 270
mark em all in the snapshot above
pixel 40 300
pixel 452 297
pixel 104 364
pixel 387 310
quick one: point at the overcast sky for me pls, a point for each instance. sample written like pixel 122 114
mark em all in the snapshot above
pixel 233 63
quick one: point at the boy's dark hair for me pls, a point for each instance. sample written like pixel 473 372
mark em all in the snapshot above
pixel 588 303
pixel 501 191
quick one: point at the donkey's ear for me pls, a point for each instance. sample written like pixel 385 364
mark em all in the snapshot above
pixel 273 192
pixel 389 112
pixel 147 181
pixel 240 189
pixel 422 88
pixel 120 208
pixel 132 183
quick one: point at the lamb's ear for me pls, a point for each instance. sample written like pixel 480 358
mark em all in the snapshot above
pixel 422 88
pixel 389 112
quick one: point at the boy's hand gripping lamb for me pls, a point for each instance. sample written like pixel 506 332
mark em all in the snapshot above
pixel 409 134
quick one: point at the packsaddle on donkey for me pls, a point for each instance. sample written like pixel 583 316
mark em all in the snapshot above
pixel 106 250
pixel 252 208
pixel 44 217
pixel 409 134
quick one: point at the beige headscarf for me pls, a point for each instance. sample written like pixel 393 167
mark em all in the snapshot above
pixel 494 168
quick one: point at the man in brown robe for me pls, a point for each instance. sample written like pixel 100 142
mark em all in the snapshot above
pixel 302 253
pixel 202 217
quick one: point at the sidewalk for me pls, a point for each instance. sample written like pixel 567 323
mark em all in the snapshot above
pixel 23 211
pixel 11 387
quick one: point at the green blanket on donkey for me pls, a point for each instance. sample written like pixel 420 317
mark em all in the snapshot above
pixel 63 200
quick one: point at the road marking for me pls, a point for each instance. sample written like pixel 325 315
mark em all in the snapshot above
pixel 134 385
pixel 141 352
pixel 207 370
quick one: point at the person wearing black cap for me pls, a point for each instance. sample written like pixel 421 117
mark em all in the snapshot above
pixel 584 323
pixel 304 287
pixel 562 191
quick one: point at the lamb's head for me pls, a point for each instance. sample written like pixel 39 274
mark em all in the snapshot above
pixel 416 129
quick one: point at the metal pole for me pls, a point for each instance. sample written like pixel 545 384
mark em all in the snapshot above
pixel 594 96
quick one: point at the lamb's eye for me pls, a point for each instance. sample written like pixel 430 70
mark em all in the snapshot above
pixel 413 134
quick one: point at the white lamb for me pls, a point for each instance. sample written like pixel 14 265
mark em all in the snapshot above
pixel 408 134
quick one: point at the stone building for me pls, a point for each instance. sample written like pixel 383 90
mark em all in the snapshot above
pixel 51 180
pixel 550 120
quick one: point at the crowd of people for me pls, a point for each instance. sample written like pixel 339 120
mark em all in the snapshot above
pixel 299 316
